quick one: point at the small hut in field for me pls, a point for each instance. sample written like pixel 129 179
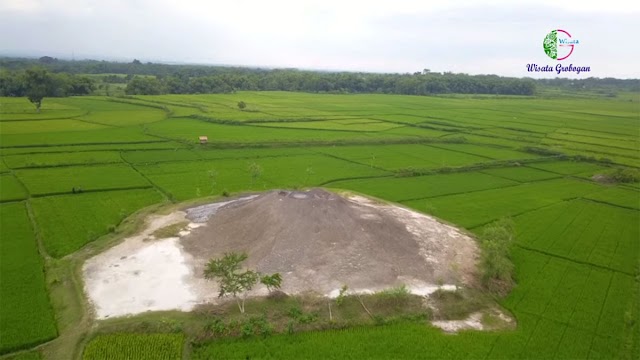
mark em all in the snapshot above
pixel 203 139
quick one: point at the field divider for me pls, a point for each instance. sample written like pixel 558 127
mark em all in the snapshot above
pixel 354 162
pixel 421 126
pixel 162 104
pixel 581 262
pixel 122 101
pixel 301 119
pixel 316 143
pixel 519 139
pixel 591 151
pixel 77 118
pixel 599 131
pixel 459 193
pixel 89 150
pixel 462 152
pixel 599 145
pixel 604 303
pixel 93 191
pixel 55 118
pixel 525 211
pixel 24 187
pixel 85 144
pixel 311 129
pixel 165 194
pixel 354 178
pixel 66 165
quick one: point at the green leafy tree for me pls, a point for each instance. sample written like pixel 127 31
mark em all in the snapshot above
pixel 272 282
pixel 145 85
pixel 38 84
pixel 232 281
pixel 242 105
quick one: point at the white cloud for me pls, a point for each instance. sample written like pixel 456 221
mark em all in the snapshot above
pixel 401 35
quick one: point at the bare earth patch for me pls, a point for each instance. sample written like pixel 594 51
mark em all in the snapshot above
pixel 318 240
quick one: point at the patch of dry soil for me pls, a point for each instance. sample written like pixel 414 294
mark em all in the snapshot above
pixel 318 240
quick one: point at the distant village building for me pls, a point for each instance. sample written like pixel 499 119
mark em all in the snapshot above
pixel 204 139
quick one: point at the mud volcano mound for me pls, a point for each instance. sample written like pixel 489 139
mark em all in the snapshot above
pixel 320 241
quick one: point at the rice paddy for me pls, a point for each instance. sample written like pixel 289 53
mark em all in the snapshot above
pixel 70 175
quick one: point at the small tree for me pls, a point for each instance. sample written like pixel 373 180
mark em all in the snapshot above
pixel 242 105
pixel 271 281
pixel 38 84
pixel 232 282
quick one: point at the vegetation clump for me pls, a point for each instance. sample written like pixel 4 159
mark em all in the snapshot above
pixel 232 281
pixel 625 176
pixel 172 230
pixel 496 265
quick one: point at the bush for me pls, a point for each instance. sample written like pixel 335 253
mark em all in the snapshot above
pixel 626 175
pixel 496 265
pixel 541 151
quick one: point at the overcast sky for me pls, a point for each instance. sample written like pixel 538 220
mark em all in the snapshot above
pixel 476 37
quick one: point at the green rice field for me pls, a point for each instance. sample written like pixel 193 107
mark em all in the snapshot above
pixel 72 174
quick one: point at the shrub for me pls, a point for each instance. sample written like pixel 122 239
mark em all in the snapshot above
pixel 497 268
pixel 626 175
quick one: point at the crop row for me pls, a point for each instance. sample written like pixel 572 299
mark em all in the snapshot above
pixel 58 180
pixel 186 180
pixel 114 146
pixel 477 208
pixel 11 189
pixel 68 222
pixel 417 187
pixel 135 346
pixel 584 231
pixel 87 137
pixel 63 158
pixel 26 317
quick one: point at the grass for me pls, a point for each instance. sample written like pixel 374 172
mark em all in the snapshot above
pixel 397 157
pixel 11 189
pixel 88 137
pixel 170 230
pixel 404 340
pixel 34 127
pixel 135 346
pixel 521 174
pixel 87 178
pixel 586 232
pixel 422 187
pixel 123 118
pixel 341 125
pixel 64 158
pixel 187 180
pixel 618 196
pixel 156 156
pixel 68 222
pixel 26 317
pixel 478 208
pixel 61 149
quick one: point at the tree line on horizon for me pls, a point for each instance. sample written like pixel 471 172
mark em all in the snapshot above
pixel 154 79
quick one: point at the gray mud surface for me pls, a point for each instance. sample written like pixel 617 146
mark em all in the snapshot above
pixel 320 241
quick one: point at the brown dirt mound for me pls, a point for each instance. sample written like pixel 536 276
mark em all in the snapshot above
pixel 320 241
